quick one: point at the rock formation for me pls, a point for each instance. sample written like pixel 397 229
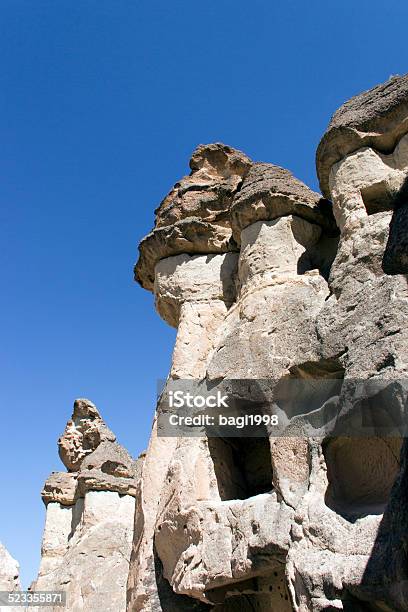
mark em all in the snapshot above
pixel 9 571
pixel 90 511
pixel 296 305
pixel 395 260
pixel 266 280
pixel 9 576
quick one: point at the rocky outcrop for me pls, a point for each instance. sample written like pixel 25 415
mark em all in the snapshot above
pixel 395 260
pixel 375 119
pixel 9 571
pixel 9 576
pixel 213 299
pixel 194 216
pixel 90 512
pixel 269 192
pixel 295 306
pixel 292 313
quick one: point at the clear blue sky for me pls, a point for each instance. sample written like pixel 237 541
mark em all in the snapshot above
pixel 101 104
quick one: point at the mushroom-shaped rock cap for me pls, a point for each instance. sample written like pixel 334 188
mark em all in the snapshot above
pixel 109 468
pixel 269 192
pixel 93 458
pixel 216 174
pixel 60 487
pixel 194 216
pixel 377 118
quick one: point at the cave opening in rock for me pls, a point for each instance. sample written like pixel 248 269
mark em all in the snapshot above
pixel 360 473
pixel 263 593
pixel 377 198
pixel 242 465
pixel 308 388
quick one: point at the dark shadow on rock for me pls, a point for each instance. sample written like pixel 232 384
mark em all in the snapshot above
pixel 171 601
pixel 395 259
pixel 385 580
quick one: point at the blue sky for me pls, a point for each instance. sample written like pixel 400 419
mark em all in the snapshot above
pixel 101 104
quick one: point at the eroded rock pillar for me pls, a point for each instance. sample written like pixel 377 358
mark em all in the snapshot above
pixel 192 292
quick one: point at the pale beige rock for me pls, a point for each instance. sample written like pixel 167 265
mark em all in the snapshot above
pixel 83 434
pixel 184 490
pixel 88 532
pixel 198 325
pixel 259 342
pixel 205 541
pixel 274 249
pixel 189 235
pixel 377 118
pixel 142 589
pixel 57 530
pixel 9 571
pixel 108 468
pixel 198 308
pixel 197 278
pixel 364 321
pixel 9 576
pixel 325 537
pixel 86 551
pixel 269 192
pixel 296 522
pixel 365 182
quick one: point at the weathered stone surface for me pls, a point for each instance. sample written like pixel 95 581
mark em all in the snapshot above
pixel 366 182
pixel 83 434
pixel 60 487
pixel 216 174
pixel 395 260
pixel 86 551
pixel 363 325
pixel 142 589
pixel 194 279
pixel 186 236
pixel 367 311
pixel 9 571
pixel 269 192
pixel 263 285
pixel 278 264
pixel 294 522
pixel 194 217
pixel 108 468
pixel 270 259
pixel 377 118
pixel 88 530
pixel 204 537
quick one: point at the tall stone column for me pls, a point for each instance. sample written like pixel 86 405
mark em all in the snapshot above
pixel 296 522
pixel 351 507
pixel 203 529
pixel 90 509
pixel 192 292
pixel 195 293
pixel 188 261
